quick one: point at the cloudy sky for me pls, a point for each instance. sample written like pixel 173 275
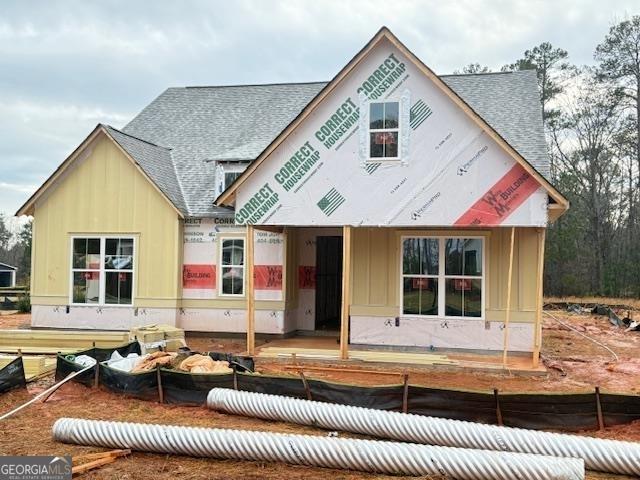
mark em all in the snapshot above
pixel 67 65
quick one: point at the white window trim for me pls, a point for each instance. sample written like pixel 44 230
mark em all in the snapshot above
pixel 441 277
pixel 221 239
pixel 102 270
pixel 370 130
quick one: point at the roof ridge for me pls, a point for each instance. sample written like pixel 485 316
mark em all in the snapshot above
pixel 252 85
pixel 136 138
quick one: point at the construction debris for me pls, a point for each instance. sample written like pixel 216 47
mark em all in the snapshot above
pixel 95 460
pixel 54 341
pixel 153 338
pixel 35 366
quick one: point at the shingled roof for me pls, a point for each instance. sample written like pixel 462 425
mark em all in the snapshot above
pixel 180 135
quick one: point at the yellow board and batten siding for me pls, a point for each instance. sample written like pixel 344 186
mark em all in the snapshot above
pixel 376 271
pixel 105 193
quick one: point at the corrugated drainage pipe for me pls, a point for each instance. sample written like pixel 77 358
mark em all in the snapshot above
pixel 363 455
pixel 603 455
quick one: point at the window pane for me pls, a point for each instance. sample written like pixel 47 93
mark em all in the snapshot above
pixel 420 256
pixel 420 296
pixel 376 150
pixel 118 288
pixel 473 256
pixel 119 254
pixel 230 177
pixel 391 115
pixel 86 287
pixel 233 252
pixel 391 144
pixel 453 256
pixel 473 298
pixel 232 280
pixel 86 253
pixel 376 113
pixel 79 252
pixel 428 295
pixel 454 290
pixel 410 297
pixel 411 256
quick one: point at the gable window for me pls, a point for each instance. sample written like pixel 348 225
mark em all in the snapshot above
pixel 443 277
pixel 232 266
pixel 230 177
pixel 102 270
pixel 384 130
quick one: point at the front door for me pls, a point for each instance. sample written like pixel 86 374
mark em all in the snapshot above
pixel 328 282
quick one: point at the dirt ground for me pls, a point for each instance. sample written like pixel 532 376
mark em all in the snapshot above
pixel 574 364
pixel 29 433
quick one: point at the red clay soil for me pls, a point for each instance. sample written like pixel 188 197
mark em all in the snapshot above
pixel 15 320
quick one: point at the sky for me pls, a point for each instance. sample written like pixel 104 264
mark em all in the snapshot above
pixel 67 65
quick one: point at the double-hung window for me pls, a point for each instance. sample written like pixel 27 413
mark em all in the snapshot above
pixel 443 276
pixel 384 131
pixel 232 266
pixel 102 270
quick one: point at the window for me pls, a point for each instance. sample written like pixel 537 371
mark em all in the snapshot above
pixel 102 271
pixel 384 130
pixel 442 277
pixel 230 177
pixel 232 266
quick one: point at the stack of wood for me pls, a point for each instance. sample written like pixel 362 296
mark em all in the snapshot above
pixel 158 337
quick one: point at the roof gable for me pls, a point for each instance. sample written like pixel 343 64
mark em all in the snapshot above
pixel 153 162
pixel 322 150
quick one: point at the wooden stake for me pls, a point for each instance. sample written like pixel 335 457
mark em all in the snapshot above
pixel 599 410
pixel 498 409
pixel 537 329
pixel 346 292
pixel 235 378
pixel 251 313
pixel 405 393
pixel 80 469
pixel 507 313
pixel 96 375
pixel 160 391
pixel 306 385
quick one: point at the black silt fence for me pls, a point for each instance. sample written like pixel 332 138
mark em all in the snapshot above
pixel 12 376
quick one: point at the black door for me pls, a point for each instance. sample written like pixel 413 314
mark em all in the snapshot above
pixel 328 282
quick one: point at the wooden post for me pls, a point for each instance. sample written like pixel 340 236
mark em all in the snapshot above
pixel 537 329
pixel 250 294
pixel 96 376
pixel 346 292
pixel 507 313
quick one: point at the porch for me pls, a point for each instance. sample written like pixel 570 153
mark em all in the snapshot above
pixel 332 317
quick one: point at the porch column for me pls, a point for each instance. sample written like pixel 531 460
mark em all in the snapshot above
pixel 346 292
pixel 507 313
pixel 537 330
pixel 250 295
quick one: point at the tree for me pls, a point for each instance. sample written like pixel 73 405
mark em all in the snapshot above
pixel 546 60
pixel 473 68
pixel 5 236
pixel 589 154
pixel 619 64
pixel 24 244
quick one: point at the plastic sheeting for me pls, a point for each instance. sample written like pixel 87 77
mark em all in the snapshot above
pixel 12 376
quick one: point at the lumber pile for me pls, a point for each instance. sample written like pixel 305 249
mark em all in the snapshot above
pixel 362 355
pixel 34 365
pixel 155 337
pixel 53 341
pixel 91 461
